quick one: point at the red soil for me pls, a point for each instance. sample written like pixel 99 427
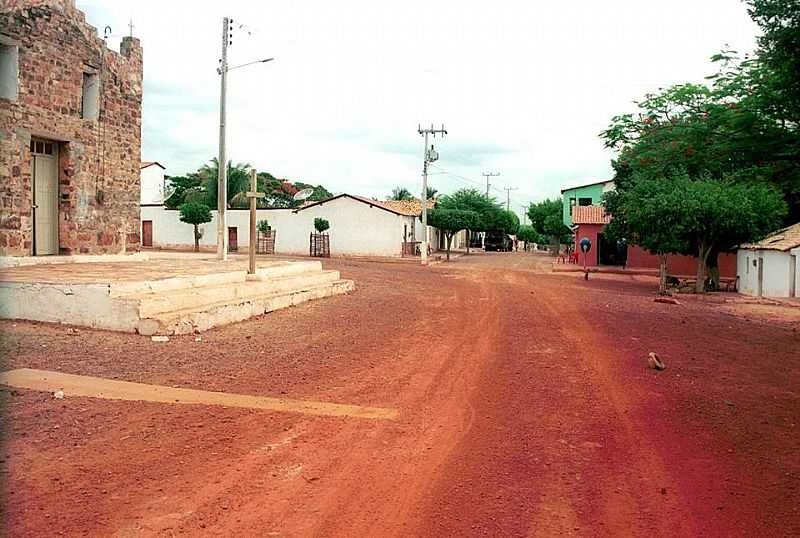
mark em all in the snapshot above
pixel 526 408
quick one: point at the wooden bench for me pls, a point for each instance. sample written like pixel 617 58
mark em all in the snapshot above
pixel 726 283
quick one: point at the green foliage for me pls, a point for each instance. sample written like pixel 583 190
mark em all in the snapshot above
pixel 238 181
pixel 503 221
pixel 181 184
pixel 201 186
pixel 431 192
pixel 547 220
pixel 472 200
pixel 321 224
pixel 528 234
pixel 779 53
pixel 401 193
pixel 451 221
pixel 320 192
pixel 263 226
pixel 195 213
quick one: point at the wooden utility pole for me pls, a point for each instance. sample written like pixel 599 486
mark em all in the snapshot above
pixel 253 195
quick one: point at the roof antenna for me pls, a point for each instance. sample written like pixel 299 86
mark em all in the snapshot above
pixel 106 33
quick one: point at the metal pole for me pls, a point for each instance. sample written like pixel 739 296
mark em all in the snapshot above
pixel 424 199
pixel 253 237
pixel 222 176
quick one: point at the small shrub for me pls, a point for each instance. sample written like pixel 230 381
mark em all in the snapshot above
pixel 321 225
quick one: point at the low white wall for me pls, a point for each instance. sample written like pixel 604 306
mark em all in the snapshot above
pixel 356 228
pixel 777 277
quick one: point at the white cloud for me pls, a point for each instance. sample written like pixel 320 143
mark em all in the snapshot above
pixel 522 87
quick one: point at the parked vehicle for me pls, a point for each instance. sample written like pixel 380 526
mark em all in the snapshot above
pixel 498 241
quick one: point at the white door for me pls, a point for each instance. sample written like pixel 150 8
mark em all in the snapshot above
pixel 45 197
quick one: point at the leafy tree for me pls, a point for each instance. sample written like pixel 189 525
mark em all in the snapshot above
pixel 472 200
pixel 238 181
pixel 547 220
pixel 695 217
pixel 451 221
pixel 527 234
pixel 263 226
pixel 779 53
pixel 181 184
pixel 321 224
pixel 195 213
pixel 504 221
pixel 431 192
pixel 401 193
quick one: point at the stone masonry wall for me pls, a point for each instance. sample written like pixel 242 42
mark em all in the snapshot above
pixel 99 158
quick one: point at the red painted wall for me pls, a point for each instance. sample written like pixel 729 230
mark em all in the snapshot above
pixel 590 231
pixel 638 258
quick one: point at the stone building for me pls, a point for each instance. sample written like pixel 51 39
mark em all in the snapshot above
pixel 70 133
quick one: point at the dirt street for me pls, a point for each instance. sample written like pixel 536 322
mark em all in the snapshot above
pixel 525 408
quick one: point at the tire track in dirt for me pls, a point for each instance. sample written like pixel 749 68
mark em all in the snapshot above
pixel 550 452
pixel 340 478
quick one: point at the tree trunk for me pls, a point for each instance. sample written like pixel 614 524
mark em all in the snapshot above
pixel 662 274
pixel 196 239
pixel 449 238
pixel 713 269
pixel 702 258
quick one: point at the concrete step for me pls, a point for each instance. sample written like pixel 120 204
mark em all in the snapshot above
pixel 198 319
pixel 150 304
pixel 273 270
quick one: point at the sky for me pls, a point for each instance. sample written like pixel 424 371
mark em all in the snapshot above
pixel 523 88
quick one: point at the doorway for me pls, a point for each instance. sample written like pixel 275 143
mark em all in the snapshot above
pixel 233 241
pixel 147 233
pixel 45 197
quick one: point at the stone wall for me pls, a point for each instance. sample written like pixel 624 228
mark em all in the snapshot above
pixel 99 158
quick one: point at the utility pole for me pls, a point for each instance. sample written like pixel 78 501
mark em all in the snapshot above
pixel 488 175
pixel 428 157
pixel 524 214
pixel 508 196
pixel 222 163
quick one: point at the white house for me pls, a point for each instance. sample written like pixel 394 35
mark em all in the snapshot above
pixel 152 183
pixel 359 226
pixel 769 268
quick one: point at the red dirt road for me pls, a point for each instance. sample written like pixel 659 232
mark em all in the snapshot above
pixel 526 409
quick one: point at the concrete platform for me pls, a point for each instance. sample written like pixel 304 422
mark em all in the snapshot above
pixel 165 295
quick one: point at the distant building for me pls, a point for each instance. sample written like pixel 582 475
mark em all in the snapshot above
pixel 70 133
pixel 583 195
pixel 360 226
pixel 152 183
pixel 769 268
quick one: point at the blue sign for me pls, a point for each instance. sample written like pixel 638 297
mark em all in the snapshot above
pixel 586 244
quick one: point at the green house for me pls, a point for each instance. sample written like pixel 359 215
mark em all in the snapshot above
pixel 582 195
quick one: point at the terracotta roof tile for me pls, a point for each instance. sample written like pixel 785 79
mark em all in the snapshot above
pixel 590 214
pixel 784 240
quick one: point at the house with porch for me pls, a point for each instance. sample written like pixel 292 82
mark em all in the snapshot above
pixel 70 134
pixel 582 195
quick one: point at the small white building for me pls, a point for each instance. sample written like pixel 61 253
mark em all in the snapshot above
pixel 152 183
pixel 359 226
pixel 769 268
